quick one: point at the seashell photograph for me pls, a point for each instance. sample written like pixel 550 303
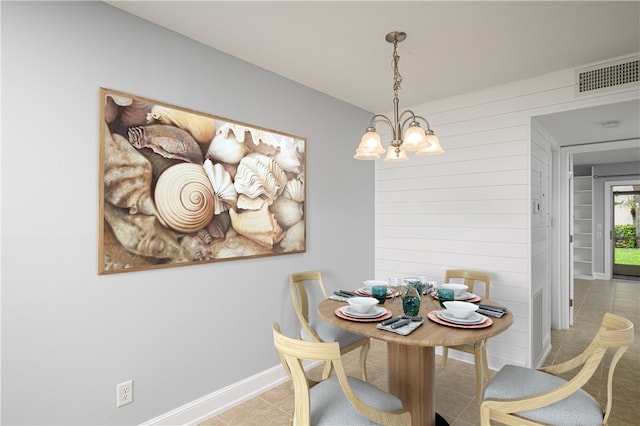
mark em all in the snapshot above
pixel 180 187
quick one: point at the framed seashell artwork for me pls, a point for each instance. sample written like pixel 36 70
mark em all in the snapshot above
pixel 180 187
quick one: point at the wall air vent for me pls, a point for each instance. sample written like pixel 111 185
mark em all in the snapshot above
pixel 608 76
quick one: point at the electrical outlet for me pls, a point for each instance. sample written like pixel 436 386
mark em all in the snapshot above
pixel 124 393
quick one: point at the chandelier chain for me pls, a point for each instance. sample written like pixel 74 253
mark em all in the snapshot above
pixel 397 78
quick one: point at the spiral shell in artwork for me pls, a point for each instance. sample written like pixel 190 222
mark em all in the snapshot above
pixel 168 141
pixel 184 197
pixel 257 225
pixel 259 178
pixel 224 192
pixel 200 127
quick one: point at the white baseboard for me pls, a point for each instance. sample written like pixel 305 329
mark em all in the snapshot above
pixel 221 400
pixel 583 277
pixel 599 276
pixel 546 349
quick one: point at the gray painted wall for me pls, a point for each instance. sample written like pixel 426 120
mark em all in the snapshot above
pixel 68 335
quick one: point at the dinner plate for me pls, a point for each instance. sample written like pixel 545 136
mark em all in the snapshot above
pixel 382 317
pixel 433 316
pixel 376 312
pixel 466 296
pixel 474 318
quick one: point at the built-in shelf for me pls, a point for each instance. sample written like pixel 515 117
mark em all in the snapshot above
pixel 582 226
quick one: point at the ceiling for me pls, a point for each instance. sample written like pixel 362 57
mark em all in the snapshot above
pixel 452 47
pixel 595 125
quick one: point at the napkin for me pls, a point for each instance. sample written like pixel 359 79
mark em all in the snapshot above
pixel 339 298
pixel 404 330
pixel 492 311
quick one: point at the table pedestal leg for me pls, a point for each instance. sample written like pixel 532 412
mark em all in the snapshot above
pixel 412 372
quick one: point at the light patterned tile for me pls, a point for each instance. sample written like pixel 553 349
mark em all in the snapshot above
pixel 257 412
pixel 450 403
pixel 278 394
pixel 213 421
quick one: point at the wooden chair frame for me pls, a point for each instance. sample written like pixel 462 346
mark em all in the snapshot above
pixel 479 348
pixel 292 352
pixel 301 306
pixel 615 332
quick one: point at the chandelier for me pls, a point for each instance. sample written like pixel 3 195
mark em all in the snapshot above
pixel 415 139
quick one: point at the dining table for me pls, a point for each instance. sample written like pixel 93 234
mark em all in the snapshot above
pixel 411 358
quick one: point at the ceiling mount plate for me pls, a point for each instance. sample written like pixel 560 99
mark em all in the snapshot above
pixel 394 36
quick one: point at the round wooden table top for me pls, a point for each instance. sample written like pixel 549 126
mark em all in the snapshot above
pixel 429 333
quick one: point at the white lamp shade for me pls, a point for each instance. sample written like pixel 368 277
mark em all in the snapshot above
pixel 414 138
pixel 392 155
pixel 363 155
pixel 370 143
pixel 432 147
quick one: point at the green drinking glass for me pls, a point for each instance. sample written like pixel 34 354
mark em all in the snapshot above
pixel 380 293
pixel 445 295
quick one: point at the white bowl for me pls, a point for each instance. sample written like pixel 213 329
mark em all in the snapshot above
pixel 458 289
pixel 370 283
pixel 362 304
pixel 460 309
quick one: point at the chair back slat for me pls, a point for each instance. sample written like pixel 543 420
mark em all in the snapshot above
pixel 470 278
pixel 300 297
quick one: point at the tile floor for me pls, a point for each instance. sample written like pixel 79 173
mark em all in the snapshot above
pixel 455 395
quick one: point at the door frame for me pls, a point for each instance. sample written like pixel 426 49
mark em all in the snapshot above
pixel 565 287
pixel 608 221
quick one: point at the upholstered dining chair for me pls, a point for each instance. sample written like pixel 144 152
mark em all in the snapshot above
pixel 477 349
pixel 315 329
pixel 339 399
pixel 524 396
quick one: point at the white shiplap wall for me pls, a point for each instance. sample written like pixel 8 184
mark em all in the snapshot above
pixel 471 206
pixel 541 250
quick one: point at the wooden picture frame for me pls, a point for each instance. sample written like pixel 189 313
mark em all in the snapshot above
pixel 179 187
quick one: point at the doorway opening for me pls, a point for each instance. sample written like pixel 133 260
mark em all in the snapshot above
pixel 625 250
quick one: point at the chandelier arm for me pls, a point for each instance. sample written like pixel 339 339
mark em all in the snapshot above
pixel 412 118
pixel 419 117
pixel 384 119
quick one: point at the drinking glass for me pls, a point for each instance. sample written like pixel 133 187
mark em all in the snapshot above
pixel 395 286
pixel 380 293
pixel 424 282
pixel 444 295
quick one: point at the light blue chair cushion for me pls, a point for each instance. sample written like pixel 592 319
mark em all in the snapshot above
pixel 516 382
pixel 330 406
pixel 330 333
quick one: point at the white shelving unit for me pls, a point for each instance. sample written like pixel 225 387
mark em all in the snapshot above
pixel 583 226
